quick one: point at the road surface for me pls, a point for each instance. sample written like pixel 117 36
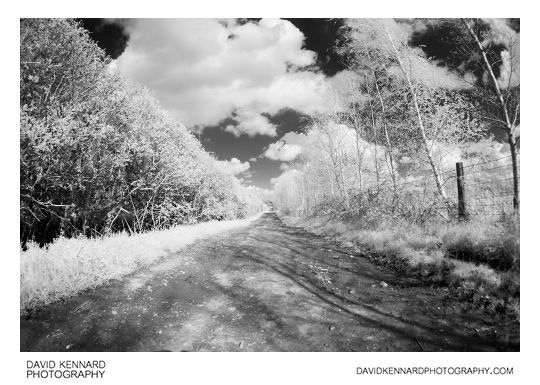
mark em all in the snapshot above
pixel 264 287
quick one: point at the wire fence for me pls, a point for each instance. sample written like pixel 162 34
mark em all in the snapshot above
pixel 488 188
pixel 490 191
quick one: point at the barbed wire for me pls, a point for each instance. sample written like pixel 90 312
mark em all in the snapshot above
pixel 488 169
pixel 492 181
pixel 467 166
pixel 487 161
pixel 487 191
pixel 425 177
pixel 489 204
pixel 422 182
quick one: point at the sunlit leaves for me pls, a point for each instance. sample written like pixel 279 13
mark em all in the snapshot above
pixel 98 152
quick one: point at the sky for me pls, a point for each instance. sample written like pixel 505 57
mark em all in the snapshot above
pixel 245 87
pixel 240 85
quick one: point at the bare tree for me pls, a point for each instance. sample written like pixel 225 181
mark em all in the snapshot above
pixel 398 52
pixel 505 117
pixel 485 53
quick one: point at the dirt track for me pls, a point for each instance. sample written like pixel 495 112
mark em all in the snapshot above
pixel 265 287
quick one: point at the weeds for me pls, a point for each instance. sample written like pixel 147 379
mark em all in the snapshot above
pixel 69 265
pixel 478 261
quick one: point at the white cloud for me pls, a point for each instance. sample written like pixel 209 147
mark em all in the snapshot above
pixel 284 179
pixel 203 70
pixel 373 33
pixel 251 124
pixel 234 166
pixel 287 148
pixel 262 193
pixel 282 151
pixel 517 131
pixel 284 166
pixel 294 138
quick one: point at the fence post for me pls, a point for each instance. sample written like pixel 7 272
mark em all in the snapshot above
pixel 462 208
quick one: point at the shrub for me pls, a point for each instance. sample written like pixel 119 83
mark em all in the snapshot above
pixel 98 152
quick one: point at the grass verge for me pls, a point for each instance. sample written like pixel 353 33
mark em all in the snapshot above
pixel 69 265
pixel 479 261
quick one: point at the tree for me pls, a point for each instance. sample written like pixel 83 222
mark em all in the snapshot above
pixel 379 52
pixel 367 97
pixel 508 119
pixel 98 152
pixel 401 54
pixel 486 54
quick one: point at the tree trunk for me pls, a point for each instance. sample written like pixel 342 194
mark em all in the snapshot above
pixel 388 143
pixel 359 156
pixel 509 124
pixel 515 167
pixel 377 175
pixel 421 129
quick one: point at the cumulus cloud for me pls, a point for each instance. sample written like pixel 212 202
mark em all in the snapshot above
pixel 251 124
pixel 205 70
pixel 283 180
pixel 282 151
pixel 287 148
pixel 284 166
pixel 509 70
pixel 234 166
pixel 431 36
pixel 260 192
pixel 373 33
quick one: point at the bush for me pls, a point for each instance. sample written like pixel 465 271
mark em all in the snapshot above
pixel 99 154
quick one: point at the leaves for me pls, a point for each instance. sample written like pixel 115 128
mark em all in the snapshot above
pixel 98 153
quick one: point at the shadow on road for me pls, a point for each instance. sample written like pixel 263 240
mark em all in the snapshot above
pixel 267 287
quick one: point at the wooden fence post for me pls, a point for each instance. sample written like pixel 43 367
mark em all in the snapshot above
pixel 460 176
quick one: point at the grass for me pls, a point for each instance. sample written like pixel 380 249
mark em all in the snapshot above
pixel 69 265
pixel 478 260
pixel 486 243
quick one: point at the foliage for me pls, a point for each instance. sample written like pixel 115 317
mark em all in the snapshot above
pixel 426 253
pixel 69 265
pixel 98 153
pixel 374 168
pixel 395 119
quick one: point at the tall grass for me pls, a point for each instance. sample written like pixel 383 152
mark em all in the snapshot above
pixel 480 260
pixel 69 265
